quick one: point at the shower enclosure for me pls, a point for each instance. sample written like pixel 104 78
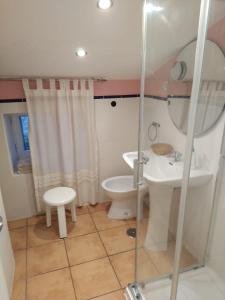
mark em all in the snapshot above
pixel 182 104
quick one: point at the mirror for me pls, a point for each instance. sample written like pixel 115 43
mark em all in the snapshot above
pixel 212 96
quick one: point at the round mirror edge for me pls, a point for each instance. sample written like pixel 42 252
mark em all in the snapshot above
pixel 203 133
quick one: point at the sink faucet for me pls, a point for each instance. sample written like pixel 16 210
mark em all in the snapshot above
pixel 145 158
pixel 176 155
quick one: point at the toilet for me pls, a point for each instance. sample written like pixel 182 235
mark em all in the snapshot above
pixel 121 191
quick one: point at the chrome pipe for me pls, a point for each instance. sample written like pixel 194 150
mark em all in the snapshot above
pixel 140 133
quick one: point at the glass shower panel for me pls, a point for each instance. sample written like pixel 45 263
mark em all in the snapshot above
pixel 206 158
pixel 169 27
pixel 208 135
pixel 169 60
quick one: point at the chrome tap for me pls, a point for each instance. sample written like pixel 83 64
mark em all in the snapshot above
pixel 145 159
pixel 176 155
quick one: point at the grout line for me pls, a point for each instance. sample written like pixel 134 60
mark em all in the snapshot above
pixel 88 261
pixel 111 263
pixel 51 271
pixel 107 252
pixel 106 294
pixel 64 240
pixel 70 270
pixel 44 244
pixel 124 225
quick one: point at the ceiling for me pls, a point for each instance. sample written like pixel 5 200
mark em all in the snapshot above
pixel 39 38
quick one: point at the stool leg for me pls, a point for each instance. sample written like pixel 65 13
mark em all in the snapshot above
pixel 62 221
pixel 73 211
pixel 48 216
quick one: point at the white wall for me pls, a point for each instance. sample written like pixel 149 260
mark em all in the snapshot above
pixel 117 129
pixel 200 199
pixel 217 249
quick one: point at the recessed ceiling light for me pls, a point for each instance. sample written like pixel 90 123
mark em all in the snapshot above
pixel 81 52
pixel 104 4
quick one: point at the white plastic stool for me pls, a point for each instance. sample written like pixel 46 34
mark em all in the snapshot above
pixel 59 197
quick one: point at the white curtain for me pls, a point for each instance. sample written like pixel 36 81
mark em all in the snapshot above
pixel 63 140
pixel 211 104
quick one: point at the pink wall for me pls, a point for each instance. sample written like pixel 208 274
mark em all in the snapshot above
pixel 155 85
pixel 12 89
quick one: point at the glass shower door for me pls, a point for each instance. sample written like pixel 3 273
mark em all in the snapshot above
pixel 165 150
pixel 167 31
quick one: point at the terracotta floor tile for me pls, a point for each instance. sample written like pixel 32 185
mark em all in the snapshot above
pixel 94 278
pixel 19 290
pixel 99 206
pixel 84 248
pixel 20 264
pixel 102 221
pixel 83 225
pixel 82 210
pixel 143 227
pixel 146 268
pixel 46 258
pixel 187 259
pixel 17 224
pixel 36 220
pixel 39 234
pixel 19 238
pixel 19 284
pixel 124 265
pixel 112 296
pixel 132 222
pixel 116 240
pixel 55 285
pixel 162 260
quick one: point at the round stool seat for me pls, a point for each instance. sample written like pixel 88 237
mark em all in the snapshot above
pixel 59 196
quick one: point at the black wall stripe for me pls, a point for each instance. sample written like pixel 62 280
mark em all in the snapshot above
pixel 108 97
pixel 12 100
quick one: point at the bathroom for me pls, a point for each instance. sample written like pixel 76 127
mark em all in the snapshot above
pixel 119 105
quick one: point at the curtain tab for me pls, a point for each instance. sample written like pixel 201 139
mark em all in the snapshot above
pixel 52 84
pixel 91 85
pixel 75 85
pixel 26 84
pixel 82 85
pixel 39 84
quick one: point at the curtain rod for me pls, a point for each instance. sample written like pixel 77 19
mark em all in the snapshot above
pixel 98 79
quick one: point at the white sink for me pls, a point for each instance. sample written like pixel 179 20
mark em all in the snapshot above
pixel 162 175
pixel 164 171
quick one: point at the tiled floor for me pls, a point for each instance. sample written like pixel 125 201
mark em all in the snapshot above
pixel 96 261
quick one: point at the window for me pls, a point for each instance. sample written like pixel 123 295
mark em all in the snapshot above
pixel 17 132
pixel 24 123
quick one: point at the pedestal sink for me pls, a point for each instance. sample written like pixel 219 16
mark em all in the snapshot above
pixel 162 175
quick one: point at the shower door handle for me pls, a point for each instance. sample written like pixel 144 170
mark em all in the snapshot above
pixel 1 223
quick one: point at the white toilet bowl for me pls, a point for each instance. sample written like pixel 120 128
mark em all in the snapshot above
pixel 123 195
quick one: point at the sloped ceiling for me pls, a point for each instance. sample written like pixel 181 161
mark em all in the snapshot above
pixel 174 27
pixel 39 38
